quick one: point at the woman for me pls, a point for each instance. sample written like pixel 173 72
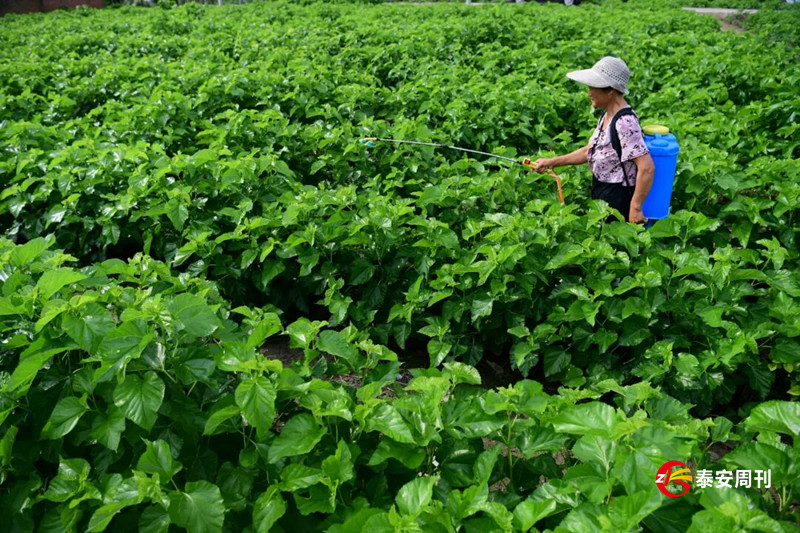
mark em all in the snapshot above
pixel 621 180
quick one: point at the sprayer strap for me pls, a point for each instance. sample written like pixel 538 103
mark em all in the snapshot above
pixel 615 143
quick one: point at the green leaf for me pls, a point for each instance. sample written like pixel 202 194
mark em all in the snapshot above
pixel 140 399
pixel 300 434
pixel 70 480
pixel 318 164
pixel 356 522
pixel 527 513
pixel 298 476
pixel 592 418
pixel 219 416
pixel 107 427
pixel 415 496
pixel 236 483
pixel 268 326
pixel 194 314
pixel 154 519
pixel 177 213
pixel 482 470
pixel 387 420
pixel 256 398
pixel 760 456
pixel 268 508
pixel 595 449
pixel 65 415
pixel 54 280
pixel 157 459
pixel 31 361
pixel 120 346
pixel 7 445
pixel 104 514
pixel 199 509
pixel 463 373
pixel 339 467
pixel 334 343
pixel 481 308
pixel 778 416
pixel 24 255
pixel 410 455
pixel 88 328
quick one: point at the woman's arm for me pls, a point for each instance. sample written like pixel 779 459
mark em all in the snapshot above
pixel 644 180
pixel 577 157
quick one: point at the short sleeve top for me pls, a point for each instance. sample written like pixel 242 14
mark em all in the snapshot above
pixel 603 160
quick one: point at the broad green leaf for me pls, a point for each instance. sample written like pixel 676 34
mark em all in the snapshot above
pixel 356 522
pixel 199 509
pixel 25 254
pixel 527 513
pixel 53 281
pixel 52 309
pixel 103 516
pixel 268 508
pixel 463 373
pixel 414 496
pixel 590 480
pixel 256 398
pixel 194 314
pixel 631 509
pixel 268 326
pixel 70 480
pixel 481 308
pixel 177 213
pixel 334 343
pixel 89 327
pixel 297 476
pixel 778 416
pixel 338 468
pixel 595 449
pixel 120 346
pixel 140 399
pixel 482 470
pixel 219 416
pixel 154 519
pixel 592 418
pixel 387 420
pixel 65 415
pixel 300 434
pixel 760 456
pixel 157 459
pixel 7 445
pixel 107 427
pixel 235 483
pixel 31 361
pixel 410 455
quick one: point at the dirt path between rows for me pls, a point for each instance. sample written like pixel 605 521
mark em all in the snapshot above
pixel 725 16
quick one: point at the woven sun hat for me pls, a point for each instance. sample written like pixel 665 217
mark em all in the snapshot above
pixel 608 72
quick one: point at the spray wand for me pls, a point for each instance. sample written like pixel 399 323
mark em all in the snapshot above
pixel 370 142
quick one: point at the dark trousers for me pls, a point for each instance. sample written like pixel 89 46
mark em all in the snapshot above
pixel 616 195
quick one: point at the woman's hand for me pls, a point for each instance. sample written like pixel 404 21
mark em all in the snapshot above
pixel 636 215
pixel 542 165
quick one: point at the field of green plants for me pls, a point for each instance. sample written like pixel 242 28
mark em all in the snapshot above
pixel 221 312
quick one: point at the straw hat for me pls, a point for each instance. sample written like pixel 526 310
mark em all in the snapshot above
pixel 608 72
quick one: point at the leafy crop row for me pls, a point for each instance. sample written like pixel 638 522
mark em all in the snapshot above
pixel 158 409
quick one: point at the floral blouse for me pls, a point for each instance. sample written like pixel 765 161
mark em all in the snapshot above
pixel 603 160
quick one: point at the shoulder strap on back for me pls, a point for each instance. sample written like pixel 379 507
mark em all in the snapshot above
pixel 613 129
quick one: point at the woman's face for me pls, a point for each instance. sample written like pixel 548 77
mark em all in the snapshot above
pixel 600 97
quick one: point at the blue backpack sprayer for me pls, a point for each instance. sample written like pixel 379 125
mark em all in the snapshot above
pixel 663 149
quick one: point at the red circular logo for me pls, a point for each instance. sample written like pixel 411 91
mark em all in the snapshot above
pixel 665 476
